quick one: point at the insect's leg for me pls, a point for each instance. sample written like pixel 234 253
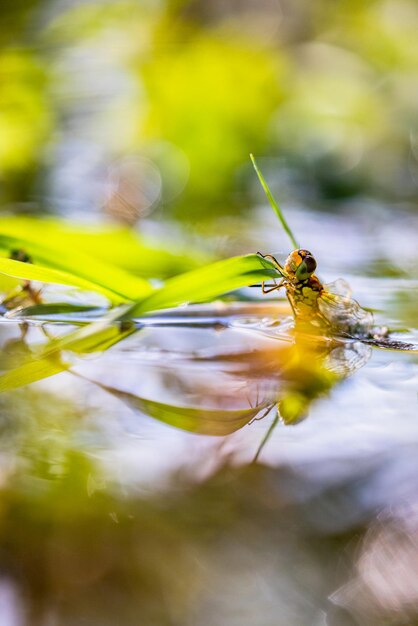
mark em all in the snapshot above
pixel 291 306
pixel 24 327
pixel 34 294
pixel 248 397
pixel 259 417
pixel 281 270
pixel 273 260
pixel 273 288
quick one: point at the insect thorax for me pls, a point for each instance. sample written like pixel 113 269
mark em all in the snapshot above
pixel 303 296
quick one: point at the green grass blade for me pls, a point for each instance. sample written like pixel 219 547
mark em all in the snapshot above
pixel 114 245
pixel 206 283
pixel 119 284
pixel 199 285
pixel 274 204
pixel 29 271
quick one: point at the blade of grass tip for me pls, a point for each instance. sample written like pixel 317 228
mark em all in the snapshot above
pixel 273 203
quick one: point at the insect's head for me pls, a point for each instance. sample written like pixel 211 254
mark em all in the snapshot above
pixel 300 264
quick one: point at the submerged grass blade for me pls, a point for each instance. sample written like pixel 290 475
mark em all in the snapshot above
pixel 32 370
pixel 217 422
pixel 54 308
pixel 274 204
pixel 47 360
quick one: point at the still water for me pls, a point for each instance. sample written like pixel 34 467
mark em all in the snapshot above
pixel 155 484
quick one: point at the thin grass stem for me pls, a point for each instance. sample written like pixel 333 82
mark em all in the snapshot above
pixel 267 436
pixel 274 204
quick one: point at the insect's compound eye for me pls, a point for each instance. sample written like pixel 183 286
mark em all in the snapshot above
pixel 310 263
pixel 307 265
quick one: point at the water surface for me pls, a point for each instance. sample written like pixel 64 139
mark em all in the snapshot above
pixel 139 461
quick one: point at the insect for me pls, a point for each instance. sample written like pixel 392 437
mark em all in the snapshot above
pixel 324 306
pixel 328 307
pixel 21 292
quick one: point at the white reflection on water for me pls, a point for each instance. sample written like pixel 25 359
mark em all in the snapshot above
pixel 386 569
pixel 11 612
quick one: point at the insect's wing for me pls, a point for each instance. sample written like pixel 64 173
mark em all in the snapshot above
pixel 339 287
pixel 342 312
pixel 346 359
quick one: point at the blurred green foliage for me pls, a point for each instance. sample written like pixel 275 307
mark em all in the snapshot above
pixel 213 97
pixel 328 88
pixel 25 117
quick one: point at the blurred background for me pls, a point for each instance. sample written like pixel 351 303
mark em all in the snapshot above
pixel 122 108
pixel 143 114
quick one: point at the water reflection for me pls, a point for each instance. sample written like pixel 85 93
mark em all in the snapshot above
pixel 217 390
pixel 207 370
pixel 305 540
pixel 101 506
pixel 246 545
